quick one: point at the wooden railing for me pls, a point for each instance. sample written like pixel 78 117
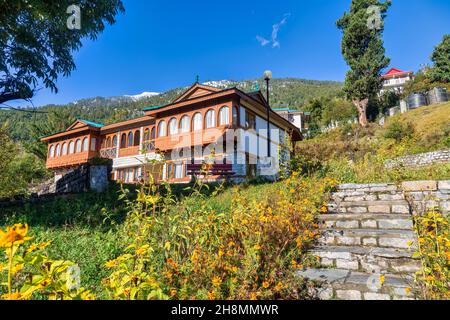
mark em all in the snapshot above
pixel 110 153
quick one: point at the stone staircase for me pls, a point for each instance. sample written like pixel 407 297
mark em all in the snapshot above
pixel 366 246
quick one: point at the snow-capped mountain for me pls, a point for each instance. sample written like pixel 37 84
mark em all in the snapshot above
pixel 142 95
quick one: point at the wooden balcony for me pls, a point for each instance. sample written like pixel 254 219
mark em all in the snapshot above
pixel 130 151
pixel 185 140
pixel 70 160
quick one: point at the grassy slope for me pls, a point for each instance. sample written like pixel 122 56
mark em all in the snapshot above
pixel 352 154
pixel 82 232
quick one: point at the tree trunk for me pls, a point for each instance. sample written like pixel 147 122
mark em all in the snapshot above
pixel 361 105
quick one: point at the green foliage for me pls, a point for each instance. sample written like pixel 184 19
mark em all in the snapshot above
pixel 36 45
pixel 363 50
pixel 399 131
pixel 440 72
pixel 18 169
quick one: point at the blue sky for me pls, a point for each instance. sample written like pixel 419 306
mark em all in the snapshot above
pixel 158 45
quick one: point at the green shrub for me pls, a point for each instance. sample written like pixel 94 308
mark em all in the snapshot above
pixel 399 131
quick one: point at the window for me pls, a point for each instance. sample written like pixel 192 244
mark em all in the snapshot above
pixel 58 150
pixel 224 116
pixel 153 135
pixel 114 143
pixel 64 149
pixel 162 129
pixel 178 171
pixel 137 138
pixel 123 141
pixel 235 116
pixel 146 135
pixel 173 126
pixel 197 120
pixel 93 144
pixel 108 142
pixel 210 119
pixel 85 145
pixel 71 147
pixel 78 146
pixel 250 120
pixel 184 124
pixel 130 139
pixel 52 152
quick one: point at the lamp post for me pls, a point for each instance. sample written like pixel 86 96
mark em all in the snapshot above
pixel 268 77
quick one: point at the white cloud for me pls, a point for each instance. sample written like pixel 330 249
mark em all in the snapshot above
pixel 275 29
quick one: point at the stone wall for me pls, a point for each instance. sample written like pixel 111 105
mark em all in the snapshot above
pixel 419 160
pixel 408 197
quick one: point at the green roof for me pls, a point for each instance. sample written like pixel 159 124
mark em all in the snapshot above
pixel 286 109
pixel 153 108
pixel 92 124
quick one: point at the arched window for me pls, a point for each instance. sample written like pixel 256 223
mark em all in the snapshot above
pixel 108 142
pixel 197 121
pixel 210 119
pixel 162 129
pixel 153 135
pixel 64 149
pixel 173 126
pixel 51 152
pixel 58 150
pixel 123 141
pixel 85 144
pixel 224 116
pixel 137 138
pixel 93 144
pixel 71 147
pixel 146 135
pixel 184 124
pixel 78 146
pixel 114 141
pixel 130 139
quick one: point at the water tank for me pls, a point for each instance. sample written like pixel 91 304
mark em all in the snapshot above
pixel 437 95
pixel 417 100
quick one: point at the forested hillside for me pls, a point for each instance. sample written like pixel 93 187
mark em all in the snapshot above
pixel 286 92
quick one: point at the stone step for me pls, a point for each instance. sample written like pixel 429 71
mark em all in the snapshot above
pixel 366 221
pixel 368 237
pixel 367 196
pixel 350 285
pixel 377 206
pixel 368 259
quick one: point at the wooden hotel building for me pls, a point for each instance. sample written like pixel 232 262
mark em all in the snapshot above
pixel 204 123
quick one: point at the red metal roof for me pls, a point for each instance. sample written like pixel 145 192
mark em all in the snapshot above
pixel 396 72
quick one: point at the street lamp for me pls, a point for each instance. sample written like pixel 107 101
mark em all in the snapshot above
pixel 268 77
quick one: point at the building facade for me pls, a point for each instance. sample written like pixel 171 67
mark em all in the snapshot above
pixel 205 124
pixel 395 80
pixel 298 118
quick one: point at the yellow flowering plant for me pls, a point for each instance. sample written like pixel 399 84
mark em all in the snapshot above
pixel 433 230
pixel 250 250
pixel 29 272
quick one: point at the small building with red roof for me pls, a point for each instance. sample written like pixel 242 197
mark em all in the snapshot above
pixel 396 79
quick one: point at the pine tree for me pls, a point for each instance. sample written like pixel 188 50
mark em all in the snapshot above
pixel 363 50
pixel 440 72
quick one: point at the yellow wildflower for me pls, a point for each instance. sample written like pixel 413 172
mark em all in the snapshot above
pixel 382 280
pixel 12 296
pixel 15 235
pixel 216 281
pixel 265 284
pixel 111 264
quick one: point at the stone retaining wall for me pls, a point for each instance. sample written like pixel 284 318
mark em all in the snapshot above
pixel 408 197
pixel 419 160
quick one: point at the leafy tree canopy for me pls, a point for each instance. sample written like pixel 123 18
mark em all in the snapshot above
pixel 36 45
pixel 440 72
pixel 363 50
